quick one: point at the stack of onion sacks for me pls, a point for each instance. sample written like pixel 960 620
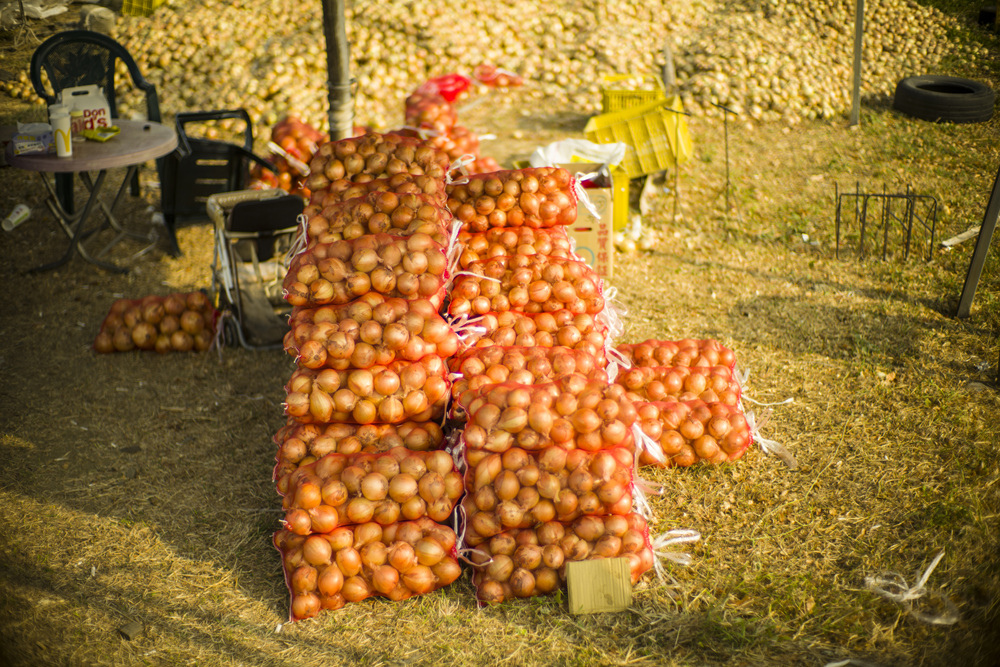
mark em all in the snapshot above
pixel 371 348
pixel 324 571
pixel 179 322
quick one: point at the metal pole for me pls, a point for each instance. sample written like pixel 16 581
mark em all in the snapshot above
pixel 979 254
pixel 338 65
pixel 859 29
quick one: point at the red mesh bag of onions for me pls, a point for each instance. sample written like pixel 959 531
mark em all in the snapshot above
pixel 478 367
pixel 578 331
pixel 482 165
pixel 521 489
pixel 510 241
pixel 411 267
pixel 690 431
pixel 686 352
pixel 372 331
pixel 571 412
pixel 426 108
pixel 180 322
pixel 344 189
pixel 526 283
pixel 302 444
pixel 711 384
pixel 456 142
pixel 521 563
pixel 376 155
pixel 401 391
pixel 326 571
pixel 378 213
pixel 530 197
pixel 398 485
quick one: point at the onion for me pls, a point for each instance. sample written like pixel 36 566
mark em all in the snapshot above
pixel 420 579
pixel 330 581
pixel 305 605
pixel 402 556
pixel 349 561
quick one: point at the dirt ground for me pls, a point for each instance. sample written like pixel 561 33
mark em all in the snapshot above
pixel 136 488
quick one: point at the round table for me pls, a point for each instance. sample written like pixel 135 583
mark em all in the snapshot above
pixel 138 141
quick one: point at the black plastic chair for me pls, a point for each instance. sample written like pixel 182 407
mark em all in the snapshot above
pixel 79 58
pixel 201 167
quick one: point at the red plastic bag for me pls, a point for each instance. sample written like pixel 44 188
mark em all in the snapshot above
pixel 402 391
pixel 325 572
pixel 522 489
pixel 527 562
pixel 411 267
pixel 302 444
pixel 368 332
pixel 344 489
pixel 449 86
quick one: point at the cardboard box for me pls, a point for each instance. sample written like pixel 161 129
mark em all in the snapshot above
pixel 594 236
pixel 601 585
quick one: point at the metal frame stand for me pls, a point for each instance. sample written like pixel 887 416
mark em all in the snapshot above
pixel 919 209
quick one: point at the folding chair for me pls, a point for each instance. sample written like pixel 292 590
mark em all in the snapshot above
pixel 254 229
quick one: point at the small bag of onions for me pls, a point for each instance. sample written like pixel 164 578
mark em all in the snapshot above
pixel 411 267
pixel 686 352
pixel 530 197
pixel 692 431
pixel 180 322
pixel 712 384
pixel 400 391
pixel 302 444
pixel 326 571
pixel 371 331
pixel 427 109
pixel 521 489
pixel 571 412
pixel 526 283
pixel 398 485
pixel 531 561
pixel 579 331
pixel 510 241
pixel 378 213
pixel 481 366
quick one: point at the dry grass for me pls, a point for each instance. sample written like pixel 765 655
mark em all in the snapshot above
pixel 137 487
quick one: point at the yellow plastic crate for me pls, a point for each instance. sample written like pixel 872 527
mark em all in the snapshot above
pixel 140 7
pixel 656 137
pixel 616 100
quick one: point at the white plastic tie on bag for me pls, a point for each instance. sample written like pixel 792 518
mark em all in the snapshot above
pixel 296 164
pixel 301 239
pixel 459 166
pixel 467 328
pixel 581 193
pixel 893 587
pixel 424 133
pixel 613 312
pixel 640 505
pixel 217 342
pixel 643 443
pixel 453 252
pixel 668 539
pixel 770 446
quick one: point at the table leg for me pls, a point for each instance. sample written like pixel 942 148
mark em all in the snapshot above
pixel 122 232
pixel 75 223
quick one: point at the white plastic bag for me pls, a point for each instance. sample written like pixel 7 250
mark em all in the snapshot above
pixel 564 152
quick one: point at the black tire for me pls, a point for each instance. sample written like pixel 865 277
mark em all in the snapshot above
pixel 944 99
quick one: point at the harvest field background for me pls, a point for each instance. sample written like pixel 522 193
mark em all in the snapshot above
pixel 136 488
